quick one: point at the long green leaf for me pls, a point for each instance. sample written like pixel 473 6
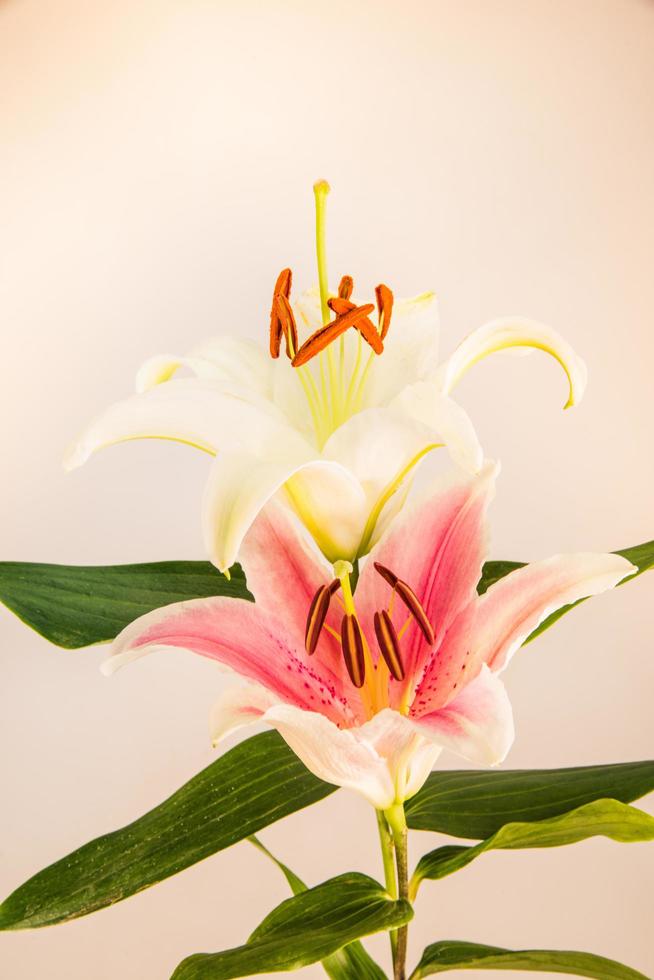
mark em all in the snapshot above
pixel 78 605
pixel 253 785
pixel 641 555
pixel 453 955
pixel 353 962
pixel 304 929
pixel 474 804
pixel 605 818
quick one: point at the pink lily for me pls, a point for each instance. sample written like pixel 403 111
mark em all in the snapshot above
pixel 381 695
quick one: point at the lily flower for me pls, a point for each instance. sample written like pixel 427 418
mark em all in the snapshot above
pixel 338 425
pixel 368 687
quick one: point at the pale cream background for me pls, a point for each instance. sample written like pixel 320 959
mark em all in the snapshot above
pixel 156 161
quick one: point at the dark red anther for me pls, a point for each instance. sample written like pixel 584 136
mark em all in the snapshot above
pixel 352 640
pixel 410 600
pixel 317 614
pixel 389 645
pixel 387 574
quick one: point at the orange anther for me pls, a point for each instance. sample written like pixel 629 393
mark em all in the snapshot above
pixel 385 307
pixel 364 325
pixel 282 288
pixel 287 321
pixel 324 336
pixel 345 287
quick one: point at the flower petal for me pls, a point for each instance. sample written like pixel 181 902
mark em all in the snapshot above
pixel 437 545
pixel 514 332
pixel 228 360
pixel 512 608
pixel 410 349
pixel 193 411
pixel 240 484
pixel 449 423
pixel 381 449
pixel 477 724
pixel 241 637
pixel 284 571
pixel 238 707
pixel 385 759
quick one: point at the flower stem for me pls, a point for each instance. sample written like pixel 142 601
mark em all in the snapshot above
pixel 396 821
pixel 386 841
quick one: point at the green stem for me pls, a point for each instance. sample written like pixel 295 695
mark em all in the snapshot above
pixel 386 841
pixel 397 823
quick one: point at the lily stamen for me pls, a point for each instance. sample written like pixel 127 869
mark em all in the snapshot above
pixel 389 644
pixel 410 600
pixel 317 614
pixel 282 288
pixel 353 652
pixel 323 337
pixel 287 320
pixel 384 307
pixel 345 287
pixel 364 324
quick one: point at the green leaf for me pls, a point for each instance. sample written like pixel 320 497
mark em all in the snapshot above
pixel 77 605
pixel 353 962
pixel 474 804
pixel 452 955
pixel 304 929
pixel 606 818
pixel 253 785
pixel 641 555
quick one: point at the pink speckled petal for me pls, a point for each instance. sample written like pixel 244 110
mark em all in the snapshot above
pixel 243 638
pixel 284 570
pixel 438 546
pixel 478 724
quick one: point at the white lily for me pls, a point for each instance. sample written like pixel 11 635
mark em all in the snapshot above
pixel 341 433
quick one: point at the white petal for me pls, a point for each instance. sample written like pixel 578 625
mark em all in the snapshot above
pixel 478 724
pixel 238 707
pixel 227 360
pixel 513 332
pixel 240 484
pixel 448 422
pixel 385 759
pixel 382 450
pixel 192 411
pixel 410 349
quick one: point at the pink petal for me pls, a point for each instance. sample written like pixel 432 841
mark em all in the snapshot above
pixel 518 603
pixel 284 570
pixel 478 724
pixel 438 547
pixel 385 759
pixel 494 626
pixel 245 639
